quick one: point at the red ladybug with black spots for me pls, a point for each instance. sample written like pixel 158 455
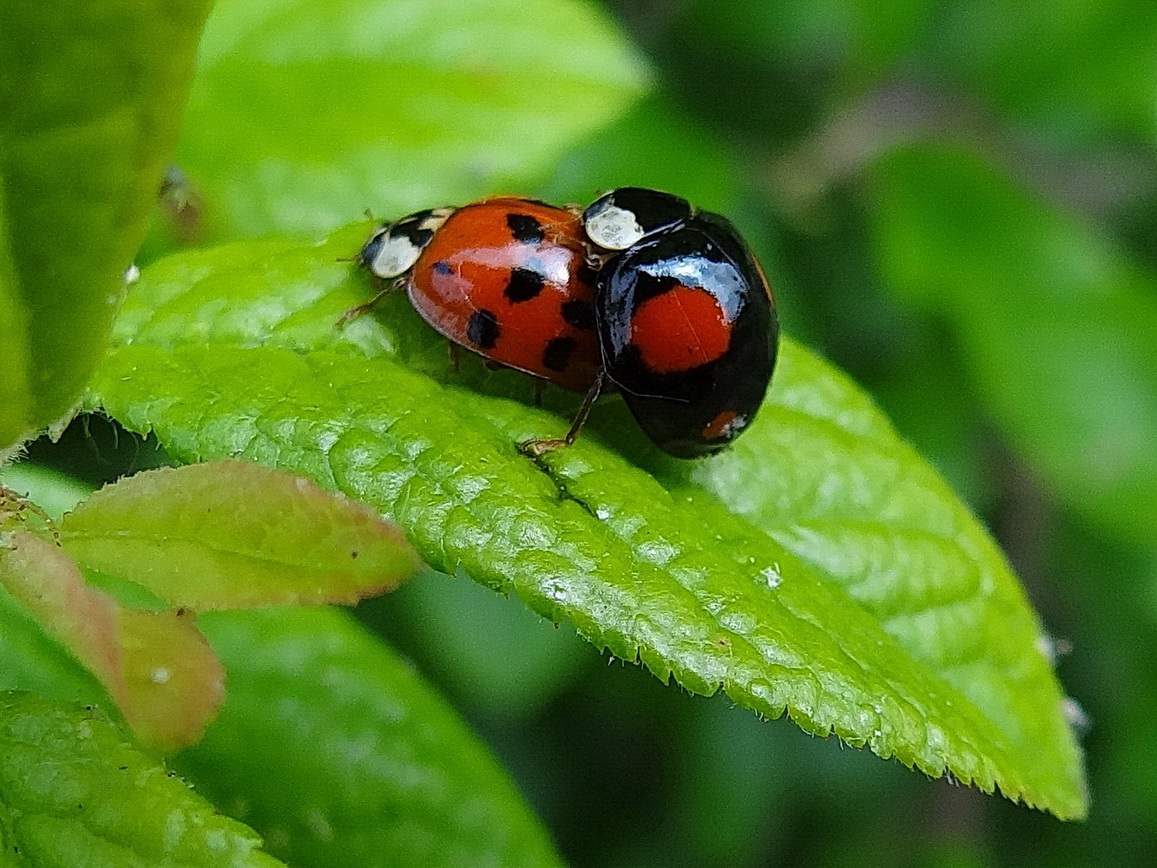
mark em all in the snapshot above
pixel 686 319
pixel 506 277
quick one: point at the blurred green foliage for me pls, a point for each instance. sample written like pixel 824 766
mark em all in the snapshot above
pixel 304 113
pixel 957 203
pixel 100 80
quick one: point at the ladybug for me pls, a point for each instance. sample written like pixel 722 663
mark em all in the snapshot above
pixel 506 277
pixel 686 320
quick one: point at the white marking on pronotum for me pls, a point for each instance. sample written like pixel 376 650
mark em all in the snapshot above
pixel 614 228
pixel 396 255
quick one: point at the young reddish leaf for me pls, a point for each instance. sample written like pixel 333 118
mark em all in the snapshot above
pixel 51 587
pixel 232 534
pixel 173 682
pixel 155 666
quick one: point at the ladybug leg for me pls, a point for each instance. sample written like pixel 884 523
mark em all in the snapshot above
pixel 585 408
pixel 454 358
pixel 535 448
pixel 539 385
pixel 353 313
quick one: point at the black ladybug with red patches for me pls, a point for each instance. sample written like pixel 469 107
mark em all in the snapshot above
pixel 686 319
pixel 506 277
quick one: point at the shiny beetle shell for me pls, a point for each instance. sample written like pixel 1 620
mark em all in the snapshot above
pixel 686 320
pixel 505 277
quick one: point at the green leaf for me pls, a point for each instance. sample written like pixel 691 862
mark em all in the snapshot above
pixel 622 155
pixel 73 792
pixel 810 36
pixel 56 493
pixel 89 94
pixel 15 387
pixel 366 767
pixel 1058 326
pixel 304 114
pixel 861 602
pixel 232 534
pixel 314 686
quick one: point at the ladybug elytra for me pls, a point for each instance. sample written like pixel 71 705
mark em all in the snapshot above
pixel 504 277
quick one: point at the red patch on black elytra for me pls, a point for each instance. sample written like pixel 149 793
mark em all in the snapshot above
pixel 681 329
pixel 720 426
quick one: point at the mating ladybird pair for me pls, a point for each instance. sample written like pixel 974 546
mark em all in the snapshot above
pixel 639 292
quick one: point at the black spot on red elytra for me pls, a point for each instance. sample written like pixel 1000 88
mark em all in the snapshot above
pixel 579 313
pixel 442 267
pixel 525 228
pixel 557 354
pixel 523 285
pixel 482 329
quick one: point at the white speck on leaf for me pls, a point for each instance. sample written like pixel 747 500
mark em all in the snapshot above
pixel 772 576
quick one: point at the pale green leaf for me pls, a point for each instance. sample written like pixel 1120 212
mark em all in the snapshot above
pixel 233 534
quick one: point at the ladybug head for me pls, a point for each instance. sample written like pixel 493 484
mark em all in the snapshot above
pixel 395 247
